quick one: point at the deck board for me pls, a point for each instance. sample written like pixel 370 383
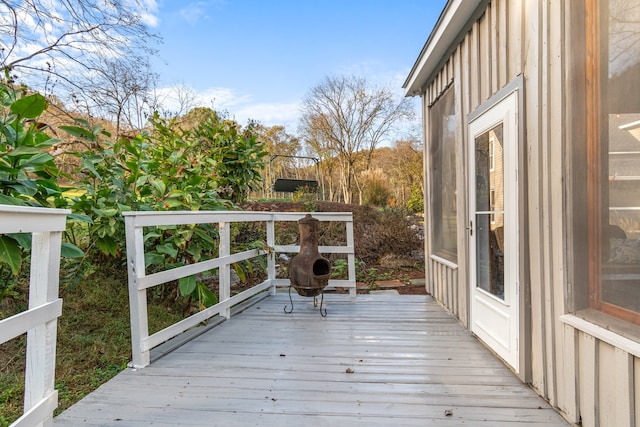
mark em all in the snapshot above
pixel 377 360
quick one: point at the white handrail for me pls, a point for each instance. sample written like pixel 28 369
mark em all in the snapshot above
pixel 39 322
pixel 139 281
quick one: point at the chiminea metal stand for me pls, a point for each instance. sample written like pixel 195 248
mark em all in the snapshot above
pixel 309 272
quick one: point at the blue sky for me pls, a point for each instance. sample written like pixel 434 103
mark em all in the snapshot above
pixel 258 59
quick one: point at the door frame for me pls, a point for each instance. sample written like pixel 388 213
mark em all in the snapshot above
pixel 523 296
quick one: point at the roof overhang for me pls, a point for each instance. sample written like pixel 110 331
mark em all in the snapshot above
pixel 452 22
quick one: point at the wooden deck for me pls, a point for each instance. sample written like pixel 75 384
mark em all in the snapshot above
pixel 378 360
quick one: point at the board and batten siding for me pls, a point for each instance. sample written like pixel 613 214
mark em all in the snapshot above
pixel 587 377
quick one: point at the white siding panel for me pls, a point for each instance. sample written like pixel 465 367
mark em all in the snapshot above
pixel 502 7
pixel 565 397
pixel 624 388
pixel 495 52
pixel 539 288
pixel 567 390
pixel 515 38
pixel 588 379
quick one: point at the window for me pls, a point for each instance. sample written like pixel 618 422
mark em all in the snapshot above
pixel 612 174
pixel 442 148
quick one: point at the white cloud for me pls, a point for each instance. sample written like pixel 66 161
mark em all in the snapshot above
pixel 286 114
pixel 146 10
pixel 194 12
pixel 221 98
pixel 240 107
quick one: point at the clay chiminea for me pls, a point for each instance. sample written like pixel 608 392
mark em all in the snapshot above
pixel 309 271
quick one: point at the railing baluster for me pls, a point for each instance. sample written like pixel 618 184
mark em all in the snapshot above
pixel 224 272
pixel 271 256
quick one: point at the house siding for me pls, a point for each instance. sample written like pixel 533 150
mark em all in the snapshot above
pixel 589 380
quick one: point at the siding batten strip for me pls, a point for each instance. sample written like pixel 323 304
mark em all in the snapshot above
pixel 589 384
pixel 624 379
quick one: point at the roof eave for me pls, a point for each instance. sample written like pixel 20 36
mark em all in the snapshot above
pixel 451 23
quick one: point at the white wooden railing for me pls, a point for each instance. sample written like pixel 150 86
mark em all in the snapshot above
pixel 139 281
pixel 39 322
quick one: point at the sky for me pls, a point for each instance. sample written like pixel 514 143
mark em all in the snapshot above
pixel 257 59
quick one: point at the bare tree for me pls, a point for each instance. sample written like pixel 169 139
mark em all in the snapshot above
pixel 53 46
pixel 351 118
pixel 402 164
pixel 121 91
pixel 184 97
pixel 323 149
pixel 283 149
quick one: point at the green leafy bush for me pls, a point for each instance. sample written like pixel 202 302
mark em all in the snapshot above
pixel 415 204
pixel 167 168
pixel 209 166
pixel 28 175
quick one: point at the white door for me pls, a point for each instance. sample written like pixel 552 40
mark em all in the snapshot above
pixel 493 228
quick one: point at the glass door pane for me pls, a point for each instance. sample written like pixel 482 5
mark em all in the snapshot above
pixel 489 211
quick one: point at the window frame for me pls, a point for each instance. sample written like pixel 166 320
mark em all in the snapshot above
pixel 596 45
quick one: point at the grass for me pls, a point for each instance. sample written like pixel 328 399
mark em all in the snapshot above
pixel 93 341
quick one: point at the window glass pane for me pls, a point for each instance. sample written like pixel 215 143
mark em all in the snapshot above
pixel 443 176
pixel 620 268
pixel 489 217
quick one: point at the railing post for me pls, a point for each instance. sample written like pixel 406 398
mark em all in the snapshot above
pixel 41 341
pixel 137 297
pixel 271 255
pixel 224 273
pixel 351 257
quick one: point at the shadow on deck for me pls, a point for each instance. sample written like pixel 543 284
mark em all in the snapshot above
pixel 378 360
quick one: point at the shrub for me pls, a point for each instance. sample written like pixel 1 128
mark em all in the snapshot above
pixel 28 175
pixel 376 190
pixel 415 204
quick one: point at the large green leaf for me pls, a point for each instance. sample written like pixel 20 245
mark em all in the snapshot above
pixel 10 253
pixel 27 188
pixel 151 235
pixel 153 258
pixel 89 165
pixel 23 150
pixel 159 186
pixel 49 186
pixel 23 240
pixel 8 200
pixel 142 180
pixel 173 203
pixel 30 107
pixel 205 296
pixel 69 250
pixel 107 245
pixel 78 132
pixel 187 285
pixel 37 160
pixel 80 217
pixel 169 249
